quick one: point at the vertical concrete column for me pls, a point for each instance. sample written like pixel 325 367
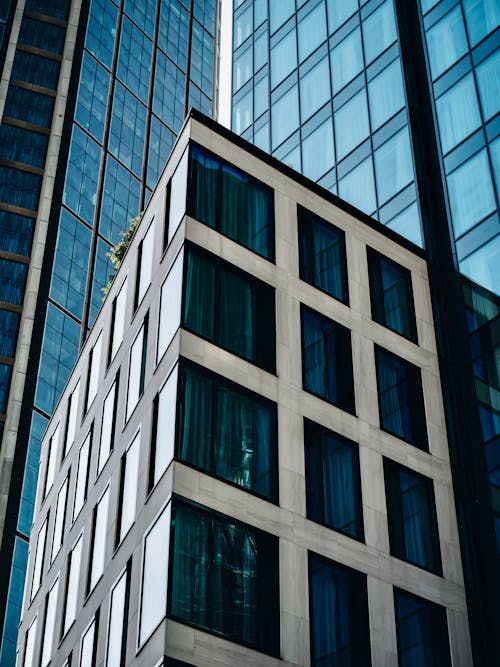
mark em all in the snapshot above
pixel 382 623
pixel 294 604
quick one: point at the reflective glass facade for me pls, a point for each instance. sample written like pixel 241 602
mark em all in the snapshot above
pixel 136 69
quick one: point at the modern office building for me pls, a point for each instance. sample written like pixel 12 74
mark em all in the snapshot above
pixel 394 106
pixel 249 463
pixel 92 95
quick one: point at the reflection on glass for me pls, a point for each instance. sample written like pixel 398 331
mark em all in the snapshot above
pixel 317 151
pixel 347 60
pixel 446 42
pixel 314 89
pixel 285 116
pixel 358 187
pixel 311 31
pixel 482 17
pixel 458 113
pixel 488 81
pixel 351 124
pixel 283 58
pixel 379 31
pixel 386 94
pixel 393 165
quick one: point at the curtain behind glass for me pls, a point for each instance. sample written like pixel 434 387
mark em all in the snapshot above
pixel 319 356
pixel 199 298
pixel 328 265
pixel 340 490
pixel 393 394
pixel 417 517
pixel 236 330
pixel 194 441
pixel 395 302
pixel 203 186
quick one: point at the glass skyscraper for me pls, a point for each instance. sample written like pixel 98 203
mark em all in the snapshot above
pixel 394 105
pixel 93 95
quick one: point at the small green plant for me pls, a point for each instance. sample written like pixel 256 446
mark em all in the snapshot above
pixel 117 253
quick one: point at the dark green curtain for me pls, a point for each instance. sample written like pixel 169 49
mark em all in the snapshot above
pixel 203 186
pixel 319 356
pixel 236 331
pixel 199 298
pixel 394 395
pixel 194 440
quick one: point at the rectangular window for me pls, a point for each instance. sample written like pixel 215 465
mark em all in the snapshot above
pixel 422 631
pixel 62 501
pixel 39 559
pixel 177 208
pixel 82 475
pixel 235 593
pixel 116 645
pixel 322 255
pixel 70 600
pixel 89 644
pixel 128 489
pixel 411 510
pixel 98 541
pixel 338 611
pixel 327 359
pixel 50 624
pixel 391 295
pixel 52 460
pixel 144 263
pixel 94 368
pixel 163 432
pixel 137 368
pixel 227 431
pixel 230 201
pixel 170 305
pixel 72 418
pixel 333 486
pixel 29 651
pixel 118 321
pixel 108 425
pixel 400 398
pixel 229 308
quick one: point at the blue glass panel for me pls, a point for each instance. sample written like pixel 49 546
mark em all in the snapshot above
pixel 339 12
pixel 12 281
pixel 9 326
pixel 471 193
pixel 261 138
pixel 482 17
pixel 260 52
pixel 283 58
pixel 204 12
pixel 35 69
pixel 358 187
pixel 280 11
pixel 386 94
pixel 173 31
pixel 92 97
pixel 446 42
pixel 242 26
pixel 69 273
pixel 161 140
pixel 59 353
pixel 30 106
pixel 103 270
pixel 259 12
pixel 243 68
pixel 495 159
pixel 120 202
pixel 101 30
pixel 14 603
pixel 82 175
pixel 261 96
pixel 285 116
pixel 202 58
pixel 379 31
pixel 42 35
pixel 407 223
pixel 57 8
pixel 314 89
pixel 428 4
pixel 169 87
pixel 317 151
pixel 243 113
pixel 199 101
pixel 458 113
pixel 4 10
pixel 28 495
pixel 5 375
pixel 488 80
pixel 19 188
pixel 128 125
pixel 351 124
pixel 16 232
pixel 21 145
pixel 347 60
pixel 134 59
pixel 393 165
pixel 482 265
pixel 143 13
pixel 311 31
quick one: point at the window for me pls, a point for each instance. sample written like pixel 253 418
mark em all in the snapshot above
pixel 144 264
pixel 386 94
pixel 82 475
pixel 118 321
pixel 413 531
pixel 338 611
pixel 62 498
pixel 153 604
pixel 317 151
pixel 422 632
pixel 170 305
pixel 481 17
pixel 346 60
pixel 29 651
pixel 358 186
pixel 178 189
pixel 393 165
pixel 333 486
pixel 108 425
pixel 94 368
pixel 137 368
pixel 128 489
pixel 163 433
pixel 322 255
pixel 39 559
pixel 50 624
pixel 72 418
pixel 89 644
pixel 311 31
pixel 446 42
pixel 228 200
pixel 285 116
pixel 327 359
pixel 236 593
pixel 283 58
pixel 98 542
pixel 379 31
pixel 227 431
pixel 51 460
pixel 118 616
pixel 229 308
pixel 314 89
pixel 458 113
pixel 400 398
pixel 391 295
pixel 70 600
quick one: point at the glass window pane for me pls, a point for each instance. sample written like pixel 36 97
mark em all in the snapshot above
pixel 393 165
pixel 120 201
pixel 16 232
pixel 347 60
pixel 134 59
pixel 87 648
pixel 280 12
pixel 145 262
pixel 339 12
pixel 71 598
pixel 178 195
pixel 128 491
pixel 29 652
pixel 99 540
pixel 35 108
pixel 82 476
pixel 311 31
pixel 458 113
pixel 446 42
pixel 94 371
pixel 165 426
pixel 50 624
pixel 243 26
pixel 317 151
pixel 62 498
pixel 351 124
pixel 482 265
pixel 170 306
pixel 283 58
pixel 379 31
pixel 107 428
pixel 285 116
pixel 358 187
pixel 314 89
pixel 488 80
pixel 482 17
pixel 128 127
pixel 117 629
pixel 386 94
pixel 82 174
pixel 260 97
pixel 72 417
pixel 243 69
pixel 118 327
pixel 471 193
pixel 136 369
pixel 39 559
pixel 9 327
pixel 101 30
pixel 92 97
pixel 407 223
pixel 52 459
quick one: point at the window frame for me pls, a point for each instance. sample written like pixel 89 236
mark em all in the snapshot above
pixel 76 582
pixel 115 386
pixel 143 330
pixel 72 418
pixel 126 572
pixel 88 438
pixel 94 566
pixel 139 276
pixel 135 441
pixel 112 350
pixel 93 372
pixel 64 511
